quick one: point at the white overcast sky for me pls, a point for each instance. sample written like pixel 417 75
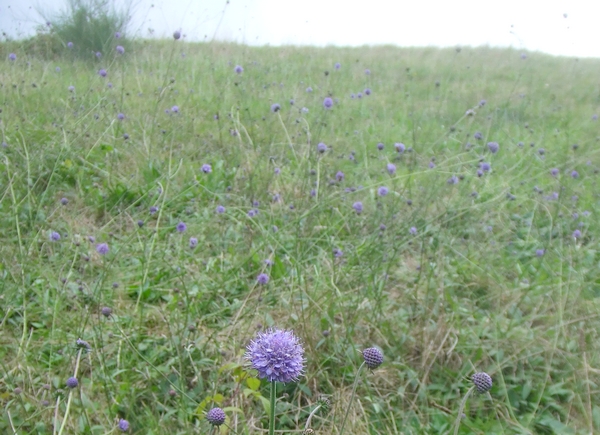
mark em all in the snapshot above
pixel 570 28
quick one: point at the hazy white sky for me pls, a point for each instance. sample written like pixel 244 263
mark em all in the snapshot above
pixel 554 26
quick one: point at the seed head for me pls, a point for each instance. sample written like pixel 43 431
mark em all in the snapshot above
pixel 277 355
pixel 373 357
pixel 482 381
pixel 216 416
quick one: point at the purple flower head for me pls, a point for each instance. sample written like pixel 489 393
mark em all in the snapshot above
pixel 71 88
pixel 12 56
pixel 358 207
pixel 337 65
pixel 181 227
pixel 206 168
pixel 176 35
pixel 327 103
pixel 482 103
pixel 309 89
pixel 109 85
pixel 554 172
pixel 102 72
pixel 391 168
pixel 359 95
pixel 339 176
pixel 123 425
pixel 479 173
pixel 576 234
pixel 102 248
pixel 540 252
pixel 54 236
pixel 120 116
pixel 57 69
pixel 594 117
pixel 485 167
pixel 380 146
pixel 337 253
pixel 269 262
pixel 493 147
pixel 277 355
pixel 352 95
pixel 400 147
pixel 523 56
pixel 574 174
pixel 413 231
pixel 367 91
pixel 321 147
pixel 175 109
pixel 72 382
pixel 262 279
pixel 304 110
pixel 252 212
pixel 367 71
pixel 478 135
pixel 98 54
pixel 373 357
pixel 431 165
pixel 216 416
pixel 482 382
pixel 193 242
pixel 452 180
pixel 292 102
pixel 120 49
pixel 153 209
pixel 220 209
pixel 64 201
pixel 275 107
pixel 238 69
pixel 69 44
pixel 382 191
pixel 117 35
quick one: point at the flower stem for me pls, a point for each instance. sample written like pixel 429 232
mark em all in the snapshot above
pixel 272 409
pixel 71 393
pixel 314 411
pixel 351 398
pixel 461 409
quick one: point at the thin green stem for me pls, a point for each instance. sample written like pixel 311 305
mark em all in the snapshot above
pixel 272 410
pixel 461 409
pixel 310 416
pixel 351 398
pixel 71 393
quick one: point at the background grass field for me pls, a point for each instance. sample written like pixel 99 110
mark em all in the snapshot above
pixel 447 276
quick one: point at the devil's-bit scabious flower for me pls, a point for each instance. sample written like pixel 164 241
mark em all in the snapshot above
pixel 69 44
pixel 358 207
pixel 216 416
pixel 193 242
pixel 328 103
pixel 380 146
pixel 554 172
pixel 220 209
pixel 262 279
pixel 54 236
pixel 400 147
pixel 337 65
pixel 540 252
pixel 373 357
pixel 238 69
pixel 277 355
pixel 206 168
pixel 493 147
pixel 482 381
pixel 391 168
pixel 176 34
pixel 478 135
pixel 123 425
pixel 576 234
pixel 575 174
pixel 12 56
pixel 382 191
pixel 181 227
pixel 120 49
pixel 452 180
pixel 102 72
pixel 82 344
pixel 275 107
pixel 102 248
pixel 339 176
pixel 72 382
pixel 321 147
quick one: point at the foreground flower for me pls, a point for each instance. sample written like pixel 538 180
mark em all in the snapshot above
pixel 328 103
pixel 373 357
pixel 482 381
pixel 277 355
pixel 216 416
pixel 123 425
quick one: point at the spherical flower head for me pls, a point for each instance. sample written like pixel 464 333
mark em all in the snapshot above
pixel 277 355
pixel 400 147
pixel 328 103
pixel 380 146
pixel 175 109
pixel 206 168
pixel 337 253
pixel 153 209
pixel 193 242
pixel 117 35
pixel 309 90
pixel 98 54
pixel 102 72
pixel 478 135
pixel 54 236
pixel 123 425
pixel 275 107
pixel 71 88
pixel 554 172
pixel 72 382
pixel 540 252
pixel 452 180
pixel 358 207
pixel 339 176
pixel 391 168
pixel 262 279
pixel 321 147
pixel 102 248
pixel 368 71
pixel 216 416
pixel 576 234
pixel 120 49
pixel 574 174
pixel 106 311
pixel 238 69
pixel 220 209
pixel 69 44
pixel 181 227
pixel 12 56
pixel 482 381
pixel 121 116
pixel 82 344
pixel 176 35
pixel 485 167
pixel 493 147
pixel 367 91
pixel 373 357
pixel 337 65
pixel 413 231
pixel 383 191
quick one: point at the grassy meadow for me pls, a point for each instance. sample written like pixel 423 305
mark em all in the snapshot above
pixel 167 212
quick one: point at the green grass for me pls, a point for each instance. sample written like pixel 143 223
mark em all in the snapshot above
pixel 466 293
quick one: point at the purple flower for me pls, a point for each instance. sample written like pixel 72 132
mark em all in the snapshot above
pixel 102 72
pixel 268 262
pixel 400 147
pixel 337 65
pixel 482 103
pixel 367 91
pixel 594 117
pixel 554 172
pixel 382 191
pixel 478 135
pixel 262 279
pixel 12 56
pixel 54 236
pixel 69 44
pixel 523 56
pixel 216 416
pixel 304 110
pixel 485 167
pixel 220 209
pixel 367 71
pixel 123 425
pixel 98 54
pixel 493 147
pixel 120 116
pixel 540 252
pixel 193 242
pixel 120 49
pixel 102 248
pixel 574 174
pixel 206 168
pixel 153 209
pixel 71 88
pixel 327 103
pixel 176 35
pixel 292 102
pixel 576 234
pixel 413 231
pixel 277 171
pixel 275 107
pixel 380 146
pixel 252 212
pixel 358 207
pixel 337 253
pixel 238 69
pixel 277 355
pixel 64 201
pixel 359 95
pixel 391 168
pixel 117 35
pixel 309 89
pixel 373 357
pixel 181 227
pixel 175 109
pixel 431 165
pixel 339 176
pixel 321 147
pixel 452 180
pixel 72 382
